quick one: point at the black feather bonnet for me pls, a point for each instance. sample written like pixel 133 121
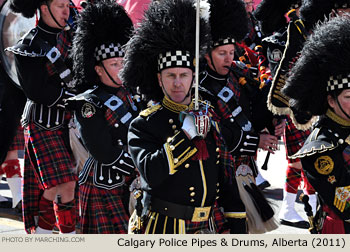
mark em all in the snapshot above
pixel 165 38
pixel 313 11
pixel 103 30
pixel 323 67
pixel 26 7
pixel 228 21
pixel 271 14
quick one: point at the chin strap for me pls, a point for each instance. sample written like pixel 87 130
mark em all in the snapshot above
pixel 166 93
pixel 342 110
pixel 211 60
pixel 109 76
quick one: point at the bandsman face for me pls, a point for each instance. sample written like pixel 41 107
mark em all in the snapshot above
pixel 222 57
pixel 113 67
pixel 176 83
pixel 59 10
pixel 344 101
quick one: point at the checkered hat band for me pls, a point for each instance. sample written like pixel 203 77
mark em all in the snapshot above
pixel 225 41
pixel 295 6
pixel 175 59
pixel 338 82
pixel 103 51
pixel 342 6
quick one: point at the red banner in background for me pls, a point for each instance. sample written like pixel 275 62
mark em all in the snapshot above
pixel 136 8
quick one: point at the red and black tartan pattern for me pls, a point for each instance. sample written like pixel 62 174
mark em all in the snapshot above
pixel 169 225
pixel 52 160
pixel 111 116
pixel 293 139
pixel 63 45
pixel 102 211
pixel 18 140
pixel 31 195
pixel 293 179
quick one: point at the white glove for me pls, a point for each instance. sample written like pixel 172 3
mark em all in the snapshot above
pixel 189 127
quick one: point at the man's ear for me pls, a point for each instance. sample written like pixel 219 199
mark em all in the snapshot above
pixel 207 58
pixel 44 9
pixel 159 79
pixel 331 101
pixel 98 70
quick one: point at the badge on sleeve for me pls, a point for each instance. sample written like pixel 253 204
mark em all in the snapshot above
pixel 88 110
pixel 324 165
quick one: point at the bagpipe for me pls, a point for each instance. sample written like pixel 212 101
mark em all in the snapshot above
pixel 256 61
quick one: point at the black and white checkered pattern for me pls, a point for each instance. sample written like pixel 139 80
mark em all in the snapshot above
pixel 295 6
pixel 175 59
pixel 342 6
pixel 103 52
pixel 225 41
pixel 338 82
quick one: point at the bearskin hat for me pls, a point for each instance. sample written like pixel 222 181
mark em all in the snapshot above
pixel 323 67
pixel 167 33
pixel 228 21
pixel 271 14
pixel 313 11
pixel 103 29
pixel 26 7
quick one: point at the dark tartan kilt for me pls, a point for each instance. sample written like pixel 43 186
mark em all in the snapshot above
pixel 18 140
pixel 160 224
pixel 31 196
pixel 50 156
pixel 293 139
pixel 102 211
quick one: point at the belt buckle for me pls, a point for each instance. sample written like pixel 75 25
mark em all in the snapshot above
pixel 200 214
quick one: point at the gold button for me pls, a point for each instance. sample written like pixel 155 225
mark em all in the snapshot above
pixel 191 188
pixel 172 147
pixel 176 131
pixel 171 121
pixel 176 160
pixel 174 126
pixel 217 184
pixel 217 149
pixel 217 162
pixel 192 194
pixel 192 200
pixel 187 165
pixel 218 156
pixel 166 209
pixel 169 139
pixel 217 190
pixel 217 197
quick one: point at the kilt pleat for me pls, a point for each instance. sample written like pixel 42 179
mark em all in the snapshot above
pixel 18 140
pixel 50 156
pixel 102 211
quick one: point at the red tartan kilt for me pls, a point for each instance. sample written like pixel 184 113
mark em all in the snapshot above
pixel 293 139
pixel 102 211
pixel 53 163
pixel 18 140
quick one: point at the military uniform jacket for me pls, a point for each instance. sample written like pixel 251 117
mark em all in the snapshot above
pixel 104 114
pixel 233 106
pixel 164 155
pixel 39 81
pixel 325 157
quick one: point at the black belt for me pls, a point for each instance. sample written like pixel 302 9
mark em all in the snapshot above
pixel 195 214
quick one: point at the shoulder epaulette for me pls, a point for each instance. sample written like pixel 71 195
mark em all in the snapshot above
pixel 277 38
pixel 27 47
pixel 88 96
pixel 149 111
pixel 320 140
